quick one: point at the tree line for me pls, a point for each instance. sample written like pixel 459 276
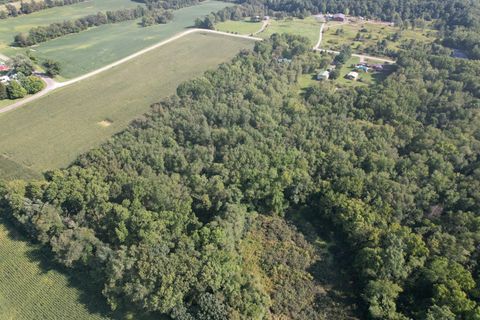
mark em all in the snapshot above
pixel 55 30
pixel 27 7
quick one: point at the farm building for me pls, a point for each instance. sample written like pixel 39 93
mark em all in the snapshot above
pixel 324 75
pixel 4 79
pixel 319 17
pixel 362 67
pixel 339 17
pixel 352 75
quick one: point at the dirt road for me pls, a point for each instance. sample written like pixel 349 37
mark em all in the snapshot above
pixel 320 37
pixel 53 85
pixel 361 56
pixel 264 26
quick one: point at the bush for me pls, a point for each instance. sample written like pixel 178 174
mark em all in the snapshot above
pixel 52 68
pixel 3 92
pixel 32 84
pixel 16 91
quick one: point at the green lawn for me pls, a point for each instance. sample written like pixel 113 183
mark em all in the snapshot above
pixel 52 131
pixel 89 50
pixel 308 27
pixel 30 288
pixel 12 26
pixel 336 35
pixel 241 27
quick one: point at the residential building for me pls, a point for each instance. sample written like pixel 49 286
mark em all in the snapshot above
pixel 324 75
pixel 352 75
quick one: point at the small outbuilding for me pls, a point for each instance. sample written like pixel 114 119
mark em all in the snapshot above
pixel 362 67
pixel 324 75
pixel 352 75
pixel 339 17
pixel 4 79
pixel 4 68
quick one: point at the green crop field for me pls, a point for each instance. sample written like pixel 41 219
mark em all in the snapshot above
pixel 53 130
pixel 12 26
pixel 30 288
pixel 246 27
pixel 89 50
pixel 336 35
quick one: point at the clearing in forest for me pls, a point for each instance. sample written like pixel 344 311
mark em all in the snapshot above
pixel 371 37
pixel 53 130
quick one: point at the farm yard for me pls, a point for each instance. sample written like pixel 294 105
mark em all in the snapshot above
pixel 364 78
pixel 51 131
pixel 31 288
pixel 364 35
pixel 112 42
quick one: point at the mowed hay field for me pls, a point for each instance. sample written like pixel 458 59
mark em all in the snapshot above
pixel 53 130
pixel 86 51
pixel 31 289
pixel 245 27
pixel 12 26
pixel 308 27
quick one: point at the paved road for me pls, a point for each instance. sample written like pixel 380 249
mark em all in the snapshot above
pixel 52 84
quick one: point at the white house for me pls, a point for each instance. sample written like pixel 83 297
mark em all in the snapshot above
pixel 352 75
pixel 324 75
pixel 4 79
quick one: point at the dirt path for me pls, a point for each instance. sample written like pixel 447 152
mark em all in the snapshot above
pixel 265 24
pixel 320 37
pixel 361 56
pixel 52 84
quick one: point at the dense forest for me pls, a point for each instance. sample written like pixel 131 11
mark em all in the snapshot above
pixel 212 206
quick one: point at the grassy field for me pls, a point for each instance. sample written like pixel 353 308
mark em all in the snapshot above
pixel 336 35
pixel 241 27
pixel 53 130
pixel 307 27
pixel 30 288
pixel 89 50
pixel 12 26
